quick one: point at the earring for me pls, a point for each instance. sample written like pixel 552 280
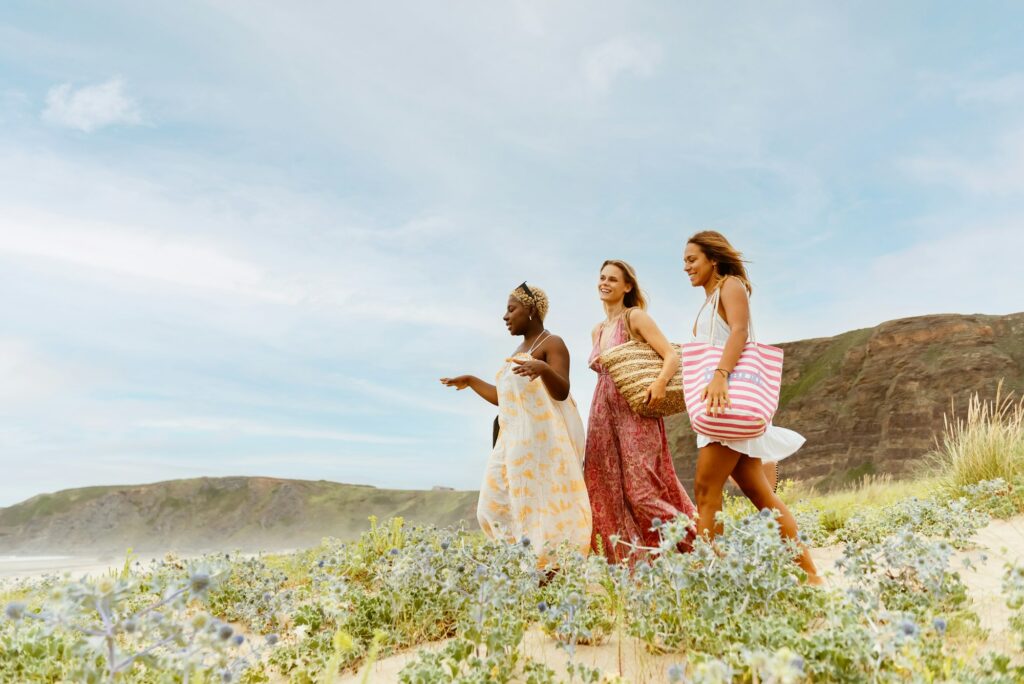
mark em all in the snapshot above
pixel 531 317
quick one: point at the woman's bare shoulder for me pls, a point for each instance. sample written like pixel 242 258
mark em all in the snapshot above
pixel 638 316
pixel 554 341
pixel 733 287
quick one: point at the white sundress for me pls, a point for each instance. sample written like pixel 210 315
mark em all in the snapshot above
pixel 777 442
pixel 533 484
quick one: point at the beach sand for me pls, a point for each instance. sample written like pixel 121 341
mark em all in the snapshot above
pixel 34 566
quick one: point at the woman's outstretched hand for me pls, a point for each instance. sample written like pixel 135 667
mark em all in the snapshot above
pixel 716 396
pixel 459 382
pixel 531 368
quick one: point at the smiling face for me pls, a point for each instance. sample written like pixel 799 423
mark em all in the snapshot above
pixel 698 267
pixel 612 285
pixel 517 316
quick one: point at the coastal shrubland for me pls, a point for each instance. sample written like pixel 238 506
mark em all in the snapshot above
pixel 896 608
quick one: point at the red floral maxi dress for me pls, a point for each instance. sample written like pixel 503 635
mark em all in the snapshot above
pixel 628 469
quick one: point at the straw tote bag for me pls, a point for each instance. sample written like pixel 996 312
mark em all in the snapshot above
pixel 633 366
pixel 753 385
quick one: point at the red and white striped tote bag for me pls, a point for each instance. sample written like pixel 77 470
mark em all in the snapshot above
pixel 754 386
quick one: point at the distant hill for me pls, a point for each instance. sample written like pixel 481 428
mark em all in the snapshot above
pixel 247 513
pixel 872 400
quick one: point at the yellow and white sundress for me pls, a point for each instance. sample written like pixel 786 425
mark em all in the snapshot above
pixel 533 484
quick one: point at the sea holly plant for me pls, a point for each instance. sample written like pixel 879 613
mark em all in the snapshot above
pixel 572 610
pixel 742 587
pixel 954 521
pixel 497 592
pixel 1013 589
pixel 107 634
pixel 904 572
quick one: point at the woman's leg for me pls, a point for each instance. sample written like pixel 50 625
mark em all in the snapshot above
pixel 714 464
pixel 749 475
pixel 771 473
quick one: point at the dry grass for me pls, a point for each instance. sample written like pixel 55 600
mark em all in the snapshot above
pixel 871 491
pixel 986 444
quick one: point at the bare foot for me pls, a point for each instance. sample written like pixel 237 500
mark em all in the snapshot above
pixel 815 580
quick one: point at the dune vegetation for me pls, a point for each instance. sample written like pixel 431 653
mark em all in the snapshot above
pixel 896 607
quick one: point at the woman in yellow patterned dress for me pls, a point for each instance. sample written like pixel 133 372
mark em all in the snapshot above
pixel 533 486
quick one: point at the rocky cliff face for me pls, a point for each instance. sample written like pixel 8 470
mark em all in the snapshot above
pixel 872 400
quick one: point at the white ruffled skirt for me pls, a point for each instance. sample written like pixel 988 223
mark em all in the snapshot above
pixel 774 445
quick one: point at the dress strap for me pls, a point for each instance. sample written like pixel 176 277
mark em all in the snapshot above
pixel 540 338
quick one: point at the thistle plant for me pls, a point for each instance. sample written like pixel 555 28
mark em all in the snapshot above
pixel 107 635
pixel 1013 590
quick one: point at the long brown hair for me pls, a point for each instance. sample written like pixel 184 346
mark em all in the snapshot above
pixel 728 261
pixel 634 297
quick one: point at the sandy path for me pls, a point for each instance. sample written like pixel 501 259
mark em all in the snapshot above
pixel 633 662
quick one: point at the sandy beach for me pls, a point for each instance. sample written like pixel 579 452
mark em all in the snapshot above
pixel 34 566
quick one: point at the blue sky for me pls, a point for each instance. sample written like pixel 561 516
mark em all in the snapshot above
pixel 248 237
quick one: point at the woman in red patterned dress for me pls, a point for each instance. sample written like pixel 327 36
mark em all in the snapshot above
pixel 628 469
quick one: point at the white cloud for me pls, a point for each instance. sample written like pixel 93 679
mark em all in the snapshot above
pixel 1001 173
pixel 90 108
pixel 248 427
pixel 620 56
pixel 136 253
pixel 25 376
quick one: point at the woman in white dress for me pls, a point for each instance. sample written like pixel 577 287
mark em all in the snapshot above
pixel 714 264
pixel 533 485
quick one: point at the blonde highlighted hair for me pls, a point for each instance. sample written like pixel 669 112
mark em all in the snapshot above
pixel 536 299
pixel 727 259
pixel 634 297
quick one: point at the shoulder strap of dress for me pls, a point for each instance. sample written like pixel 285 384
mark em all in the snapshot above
pixel 625 322
pixel 540 338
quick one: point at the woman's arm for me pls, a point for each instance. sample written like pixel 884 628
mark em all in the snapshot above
pixel 553 369
pixel 460 382
pixel 737 315
pixel 644 327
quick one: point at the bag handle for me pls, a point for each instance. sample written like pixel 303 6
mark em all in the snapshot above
pixel 716 297
pixel 625 320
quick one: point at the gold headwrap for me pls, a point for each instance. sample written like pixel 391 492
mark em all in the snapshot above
pixel 538 302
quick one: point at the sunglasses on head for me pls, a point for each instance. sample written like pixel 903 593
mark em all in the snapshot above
pixel 525 289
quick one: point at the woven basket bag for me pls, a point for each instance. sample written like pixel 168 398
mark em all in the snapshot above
pixel 633 366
